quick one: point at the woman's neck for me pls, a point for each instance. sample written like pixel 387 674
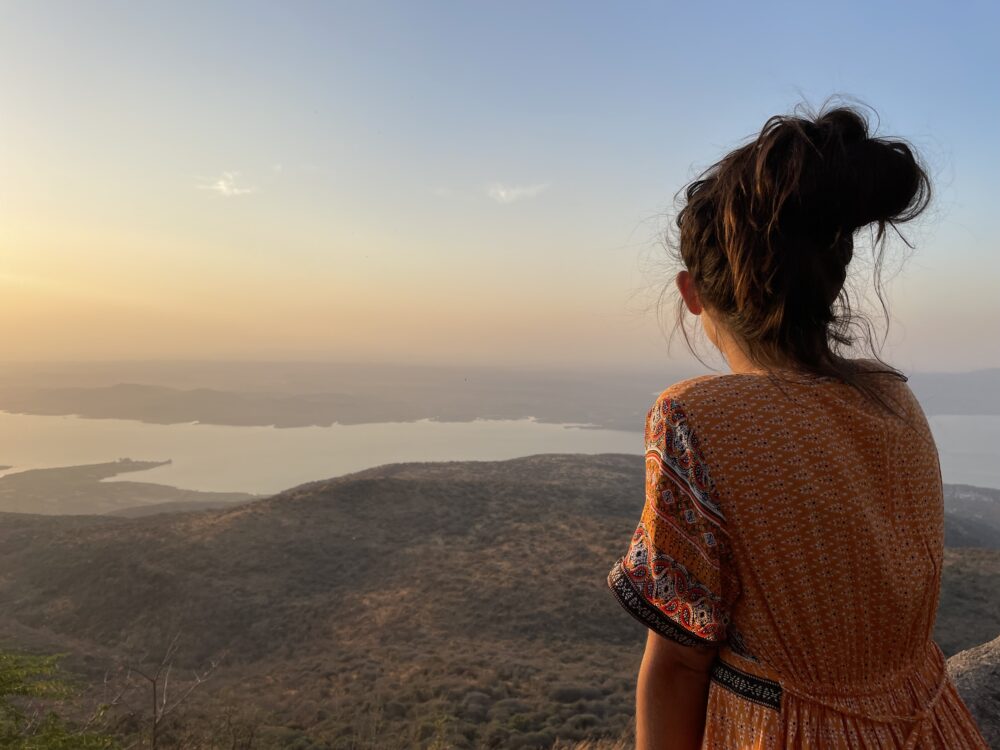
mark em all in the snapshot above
pixel 739 362
pixel 735 355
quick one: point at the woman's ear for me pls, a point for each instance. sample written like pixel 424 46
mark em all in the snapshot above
pixel 685 284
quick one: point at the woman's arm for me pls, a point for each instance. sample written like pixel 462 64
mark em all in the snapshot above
pixel 672 695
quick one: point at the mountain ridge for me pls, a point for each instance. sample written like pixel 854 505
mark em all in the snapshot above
pixel 402 589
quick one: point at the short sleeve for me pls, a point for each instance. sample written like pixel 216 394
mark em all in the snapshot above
pixel 675 576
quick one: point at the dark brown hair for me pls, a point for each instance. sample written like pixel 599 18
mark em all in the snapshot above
pixel 767 234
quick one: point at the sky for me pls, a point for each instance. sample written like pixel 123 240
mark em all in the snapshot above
pixel 448 182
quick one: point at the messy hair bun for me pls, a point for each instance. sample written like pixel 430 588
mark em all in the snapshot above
pixel 767 233
pixel 845 174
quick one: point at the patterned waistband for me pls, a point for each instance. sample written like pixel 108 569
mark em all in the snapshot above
pixel 768 692
pixel 746 685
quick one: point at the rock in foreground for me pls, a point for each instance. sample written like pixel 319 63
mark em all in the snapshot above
pixel 976 673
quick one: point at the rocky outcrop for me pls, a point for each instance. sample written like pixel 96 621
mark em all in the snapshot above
pixel 976 673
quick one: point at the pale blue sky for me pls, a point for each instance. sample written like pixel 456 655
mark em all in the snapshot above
pixel 445 182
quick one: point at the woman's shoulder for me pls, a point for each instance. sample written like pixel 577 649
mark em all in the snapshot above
pixel 725 400
pixel 738 385
pixel 679 408
pixel 743 396
pixel 722 389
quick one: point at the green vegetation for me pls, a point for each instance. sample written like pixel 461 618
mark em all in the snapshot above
pixel 28 684
pixel 449 605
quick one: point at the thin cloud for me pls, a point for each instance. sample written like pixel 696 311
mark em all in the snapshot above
pixel 227 185
pixel 510 193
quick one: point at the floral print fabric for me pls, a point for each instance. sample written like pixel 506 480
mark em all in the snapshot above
pixel 798 527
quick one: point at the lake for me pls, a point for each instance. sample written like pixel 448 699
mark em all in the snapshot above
pixel 267 459
pixel 264 460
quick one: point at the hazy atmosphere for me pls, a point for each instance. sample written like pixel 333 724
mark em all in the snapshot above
pixel 444 182
pixel 332 348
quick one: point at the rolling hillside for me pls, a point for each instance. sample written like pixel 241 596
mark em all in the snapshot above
pixel 455 600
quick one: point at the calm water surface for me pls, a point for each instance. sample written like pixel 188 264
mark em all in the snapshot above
pixel 266 459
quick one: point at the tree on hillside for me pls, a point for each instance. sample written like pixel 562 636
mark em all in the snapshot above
pixel 151 696
pixel 29 684
pixel 136 707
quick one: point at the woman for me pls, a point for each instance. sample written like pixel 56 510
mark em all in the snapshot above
pixel 787 561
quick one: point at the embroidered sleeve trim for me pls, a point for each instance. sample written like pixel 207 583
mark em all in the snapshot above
pixel 672 590
pixel 645 612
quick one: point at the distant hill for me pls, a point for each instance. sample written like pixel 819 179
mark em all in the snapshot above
pixel 176 506
pixel 385 607
pixel 614 404
pixel 973 516
pixel 961 531
pixel 302 395
pixel 66 490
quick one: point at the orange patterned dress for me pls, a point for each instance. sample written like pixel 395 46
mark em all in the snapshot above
pixel 800 528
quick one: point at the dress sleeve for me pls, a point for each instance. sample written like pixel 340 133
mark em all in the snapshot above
pixel 675 577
